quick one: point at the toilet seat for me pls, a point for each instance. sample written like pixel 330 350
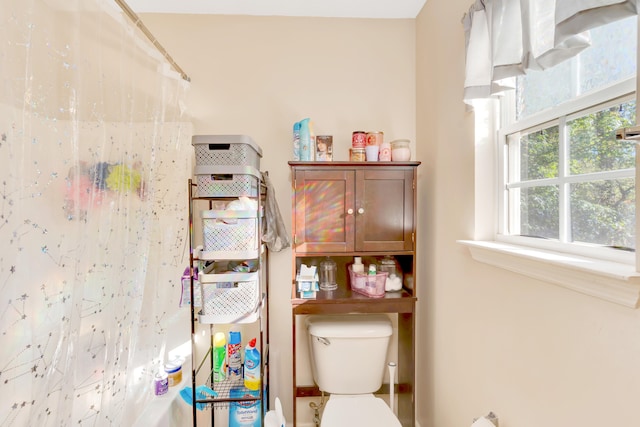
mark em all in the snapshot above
pixel 357 410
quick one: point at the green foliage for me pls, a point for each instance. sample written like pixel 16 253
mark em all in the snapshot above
pixel 602 211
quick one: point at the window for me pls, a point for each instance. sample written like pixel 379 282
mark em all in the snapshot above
pixel 568 184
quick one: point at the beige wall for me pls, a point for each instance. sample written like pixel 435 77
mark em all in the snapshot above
pixel 536 354
pixel 257 76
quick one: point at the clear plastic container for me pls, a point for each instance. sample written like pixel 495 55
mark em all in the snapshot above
pixel 327 274
pixel 388 264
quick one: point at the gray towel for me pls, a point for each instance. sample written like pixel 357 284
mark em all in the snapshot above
pixel 275 235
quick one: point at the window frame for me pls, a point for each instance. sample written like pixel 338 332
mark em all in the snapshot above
pixel 612 94
pixel 610 281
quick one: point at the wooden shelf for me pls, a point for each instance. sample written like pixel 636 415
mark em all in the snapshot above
pixel 345 301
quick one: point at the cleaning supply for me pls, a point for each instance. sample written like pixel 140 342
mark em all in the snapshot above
pixel 275 417
pixel 219 357
pixel 245 413
pixel 234 356
pixel 202 392
pixel 252 366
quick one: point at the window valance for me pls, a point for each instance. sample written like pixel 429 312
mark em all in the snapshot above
pixel 506 38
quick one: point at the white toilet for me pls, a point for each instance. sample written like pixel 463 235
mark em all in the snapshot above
pixel 348 355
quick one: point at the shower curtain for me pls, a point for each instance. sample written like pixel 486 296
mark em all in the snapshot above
pixel 94 159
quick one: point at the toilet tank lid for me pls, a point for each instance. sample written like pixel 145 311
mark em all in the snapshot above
pixel 350 326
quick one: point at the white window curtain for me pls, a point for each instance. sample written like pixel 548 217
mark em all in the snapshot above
pixel 505 38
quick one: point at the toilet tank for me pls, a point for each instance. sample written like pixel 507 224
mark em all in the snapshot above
pixel 348 353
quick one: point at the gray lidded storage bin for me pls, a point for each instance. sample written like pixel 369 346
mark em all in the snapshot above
pixel 226 150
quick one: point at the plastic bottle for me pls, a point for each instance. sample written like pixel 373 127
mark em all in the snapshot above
pixel 219 356
pixel 252 366
pixel 234 356
pixel 358 266
pixel 296 141
pixel 305 141
pixel 312 143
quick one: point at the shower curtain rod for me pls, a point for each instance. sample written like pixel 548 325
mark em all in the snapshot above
pixel 136 20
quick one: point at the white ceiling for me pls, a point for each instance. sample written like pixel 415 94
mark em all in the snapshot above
pixel 319 8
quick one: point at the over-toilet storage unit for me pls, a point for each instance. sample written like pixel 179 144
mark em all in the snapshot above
pixel 356 209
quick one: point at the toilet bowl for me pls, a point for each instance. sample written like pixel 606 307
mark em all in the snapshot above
pixel 348 358
pixel 357 410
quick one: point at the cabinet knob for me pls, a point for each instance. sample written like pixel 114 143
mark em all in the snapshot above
pixel 350 211
pixel 360 211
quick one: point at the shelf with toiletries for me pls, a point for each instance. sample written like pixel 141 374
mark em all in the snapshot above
pixel 228 266
pixel 395 286
pixel 347 213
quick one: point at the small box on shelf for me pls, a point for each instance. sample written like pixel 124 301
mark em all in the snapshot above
pixel 307 282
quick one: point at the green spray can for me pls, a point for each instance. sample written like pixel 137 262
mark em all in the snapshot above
pixel 219 357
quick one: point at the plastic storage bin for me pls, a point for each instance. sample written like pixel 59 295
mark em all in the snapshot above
pixel 230 234
pixel 368 285
pixel 227 181
pixel 230 298
pixel 226 150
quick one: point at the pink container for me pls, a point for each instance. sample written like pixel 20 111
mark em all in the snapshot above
pixel 385 152
pixel 368 285
pixel 375 138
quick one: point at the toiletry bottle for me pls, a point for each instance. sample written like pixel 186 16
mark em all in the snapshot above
pixel 219 357
pixel 234 356
pixel 312 143
pixel 252 366
pixel 296 141
pixel 372 270
pixel 357 266
pixel 305 141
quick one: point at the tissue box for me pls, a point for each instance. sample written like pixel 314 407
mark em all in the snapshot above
pixel 307 286
pixel 307 283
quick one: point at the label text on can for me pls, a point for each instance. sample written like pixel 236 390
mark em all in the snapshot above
pixel 358 139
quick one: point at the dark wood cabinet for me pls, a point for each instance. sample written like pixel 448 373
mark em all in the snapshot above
pixel 347 209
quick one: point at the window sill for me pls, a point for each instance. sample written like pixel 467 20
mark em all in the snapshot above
pixel 614 282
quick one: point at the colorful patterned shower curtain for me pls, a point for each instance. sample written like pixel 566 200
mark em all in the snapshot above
pixel 94 159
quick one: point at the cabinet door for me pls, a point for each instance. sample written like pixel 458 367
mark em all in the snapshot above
pixel 384 210
pixel 324 217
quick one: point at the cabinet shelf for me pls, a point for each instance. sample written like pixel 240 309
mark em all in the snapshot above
pixel 345 301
